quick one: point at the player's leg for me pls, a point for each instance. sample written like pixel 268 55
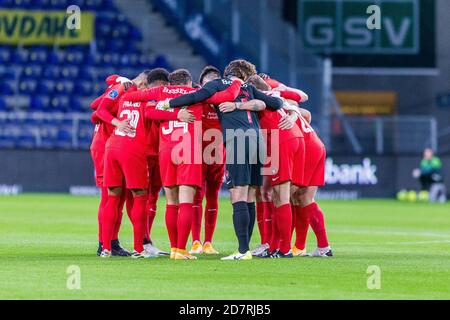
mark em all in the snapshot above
pixel 101 209
pixel 251 199
pixel 301 176
pixel 98 158
pixel 214 182
pixel 264 214
pixel 154 189
pixel 110 216
pixel 260 215
pixel 238 179
pixel 211 211
pixel 168 172
pixel 301 220
pixel 283 217
pixel 241 221
pixel 139 221
pixel 113 178
pixel 171 217
pixel 137 180
pixel 197 247
pixel 186 212
pixel 312 215
pixel 313 210
pixel 125 197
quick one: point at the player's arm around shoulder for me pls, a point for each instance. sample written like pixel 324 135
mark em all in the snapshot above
pixel 227 93
pixel 252 105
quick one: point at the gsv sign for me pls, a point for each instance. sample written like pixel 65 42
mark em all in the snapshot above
pixel 341 27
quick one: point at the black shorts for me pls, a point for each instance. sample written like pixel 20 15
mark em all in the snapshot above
pixel 244 162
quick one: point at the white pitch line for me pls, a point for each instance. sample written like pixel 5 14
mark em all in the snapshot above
pixel 395 233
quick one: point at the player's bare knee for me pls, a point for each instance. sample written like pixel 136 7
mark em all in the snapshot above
pixel 239 194
pixel 139 192
pixel 115 191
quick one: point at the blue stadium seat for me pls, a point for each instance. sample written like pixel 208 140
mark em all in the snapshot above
pixel 6 89
pixel 48 79
pixel 51 72
pixel 2 104
pixel 6 3
pixel 64 138
pixel 27 138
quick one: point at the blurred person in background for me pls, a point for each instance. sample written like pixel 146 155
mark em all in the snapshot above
pixel 429 171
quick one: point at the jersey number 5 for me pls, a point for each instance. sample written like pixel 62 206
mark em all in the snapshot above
pixel 133 116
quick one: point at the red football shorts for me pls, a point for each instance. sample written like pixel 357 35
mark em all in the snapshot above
pixel 214 172
pixel 314 162
pixel 174 173
pixel 291 162
pixel 153 171
pixel 120 165
pixel 98 157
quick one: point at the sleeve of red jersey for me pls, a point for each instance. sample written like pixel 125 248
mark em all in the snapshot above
pixel 291 95
pixel 144 95
pixel 161 115
pixel 111 80
pixel 227 95
pixel 96 103
pixel 94 118
pixel 110 99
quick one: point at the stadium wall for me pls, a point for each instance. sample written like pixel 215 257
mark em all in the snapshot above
pixel 72 172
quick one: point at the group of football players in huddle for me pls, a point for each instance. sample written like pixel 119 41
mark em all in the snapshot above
pixel 240 128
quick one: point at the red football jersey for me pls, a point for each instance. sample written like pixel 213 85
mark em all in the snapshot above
pixel 270 120
pixel 210 117
pixel 109 100
pixel 306 128
pixel 171 131
pixel 136 142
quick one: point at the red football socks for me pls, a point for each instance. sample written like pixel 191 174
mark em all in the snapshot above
pixel 171 224
pixel 283 217
pixel 268 221
pixel 184 224
pixel 211 210
pixel 139 220
pixel 197 221
pixel 101 209
pixel 151 214
pixel 317 222
pixel 260 212
pixel 110 215
pixel 301 226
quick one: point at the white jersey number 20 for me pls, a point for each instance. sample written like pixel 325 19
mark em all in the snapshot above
pixel 133 116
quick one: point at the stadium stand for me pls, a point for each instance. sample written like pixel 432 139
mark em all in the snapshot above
pixel 46 90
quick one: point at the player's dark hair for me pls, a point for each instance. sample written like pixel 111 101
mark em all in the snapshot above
pixel 180 77
pixel 158 74
pixel 207 71
pixel 240 68
pixel 258 82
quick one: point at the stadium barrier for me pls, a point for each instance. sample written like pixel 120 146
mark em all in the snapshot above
pixel 72 172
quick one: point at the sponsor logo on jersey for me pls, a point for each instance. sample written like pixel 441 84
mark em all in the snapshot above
pixel 177 91
pixel 113 94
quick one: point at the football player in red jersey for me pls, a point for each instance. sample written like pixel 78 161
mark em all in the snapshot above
pixel 125 159
pixel 180 155
pixel 156 77
pixel 117 86
pixel 305 209
pixel 213 172
pixel 287 152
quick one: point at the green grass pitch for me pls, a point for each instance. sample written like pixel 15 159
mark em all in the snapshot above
pixel 42 235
